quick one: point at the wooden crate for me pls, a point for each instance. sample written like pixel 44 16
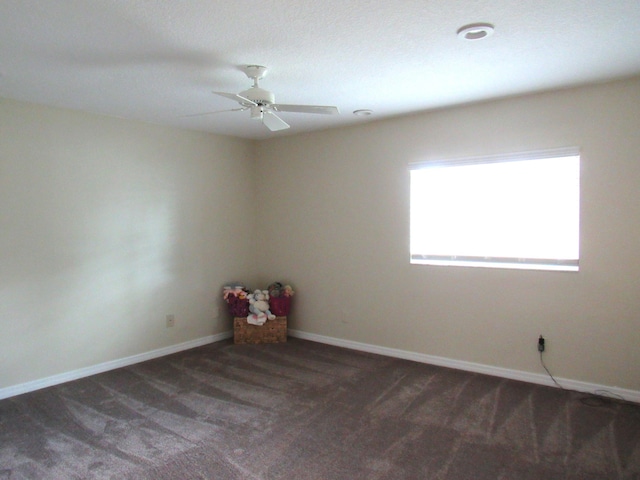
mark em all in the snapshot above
pixel 273 331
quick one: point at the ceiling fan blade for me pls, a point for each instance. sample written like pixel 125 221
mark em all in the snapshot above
pixel 273 122
pixel 326 110
pixel 212 113
pixel 236 97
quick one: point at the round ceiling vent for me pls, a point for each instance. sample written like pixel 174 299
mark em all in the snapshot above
pixel 476 31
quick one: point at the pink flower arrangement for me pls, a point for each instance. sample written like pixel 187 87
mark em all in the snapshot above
pixel 236 298
pixel 238 291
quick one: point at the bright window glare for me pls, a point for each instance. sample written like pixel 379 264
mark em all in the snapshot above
pixel 525 210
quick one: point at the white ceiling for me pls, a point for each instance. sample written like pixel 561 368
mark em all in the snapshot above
pixel 158 60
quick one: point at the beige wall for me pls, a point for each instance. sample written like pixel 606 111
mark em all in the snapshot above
pixel 106 226
pixel 334 221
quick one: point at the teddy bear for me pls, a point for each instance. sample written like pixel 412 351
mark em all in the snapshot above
pixel 259 311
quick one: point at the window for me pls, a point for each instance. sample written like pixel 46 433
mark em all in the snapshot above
pixel 514 211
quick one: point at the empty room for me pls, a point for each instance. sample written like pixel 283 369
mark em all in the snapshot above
pixel 451 189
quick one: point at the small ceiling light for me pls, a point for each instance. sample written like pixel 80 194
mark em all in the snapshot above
pixel 363 113
pixel 476 31
pixel 257 112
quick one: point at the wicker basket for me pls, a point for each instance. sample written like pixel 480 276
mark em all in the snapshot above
pixel 273 331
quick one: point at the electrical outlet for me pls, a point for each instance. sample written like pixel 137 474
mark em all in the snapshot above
pixel 171 320
pixel 541 344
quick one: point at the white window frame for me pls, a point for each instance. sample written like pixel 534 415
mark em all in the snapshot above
pixel 451 257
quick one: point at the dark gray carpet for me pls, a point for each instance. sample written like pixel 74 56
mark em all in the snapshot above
pixel 304 410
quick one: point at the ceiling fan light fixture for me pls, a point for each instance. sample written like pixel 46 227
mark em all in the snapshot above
pixel 257 112
pixel 475 31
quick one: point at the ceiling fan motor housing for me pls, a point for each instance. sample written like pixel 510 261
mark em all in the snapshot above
pixel 259 95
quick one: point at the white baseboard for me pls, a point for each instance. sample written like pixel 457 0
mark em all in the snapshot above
pixel 111 365
pixel 540 379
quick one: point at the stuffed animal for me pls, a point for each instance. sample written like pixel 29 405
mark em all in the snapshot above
pixel 277 289
pixel 259 311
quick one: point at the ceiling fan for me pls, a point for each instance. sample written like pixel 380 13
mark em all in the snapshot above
pixel 262 104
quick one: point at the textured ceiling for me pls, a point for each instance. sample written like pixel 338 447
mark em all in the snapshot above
pixel 158 60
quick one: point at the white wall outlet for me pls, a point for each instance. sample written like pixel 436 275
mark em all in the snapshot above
pixel 171 320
